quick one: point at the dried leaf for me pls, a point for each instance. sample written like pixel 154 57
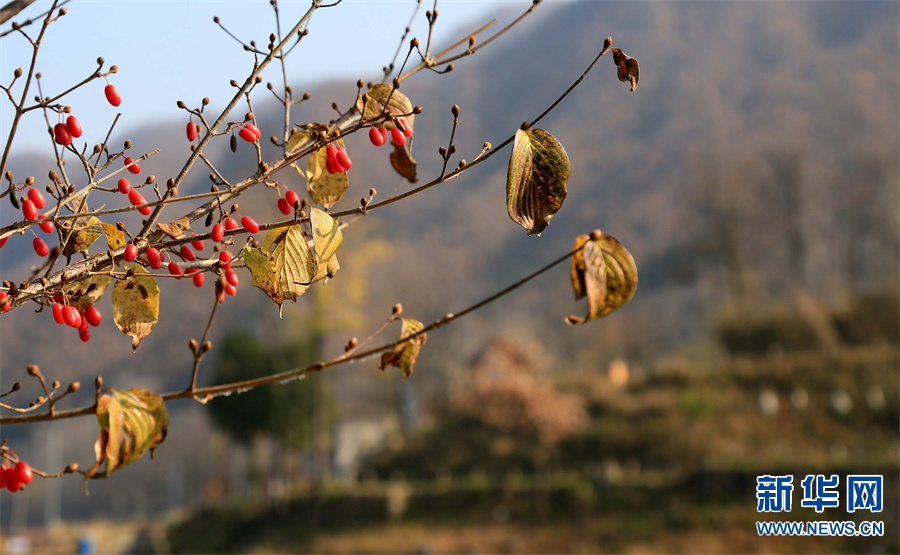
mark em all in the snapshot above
pixel 115 238
pixel 176 229
pixel 85 236
pixel 327 239
pixel 404 355
pixel 403 163
pixel 397 104
pixel 605 272
pixel 135 303
pixel 627 68
pixel 332 268
pixel 536 179
pixel 93 287
pixel 294 263
pixel 324 188
pixel 263 273
pixel 131 422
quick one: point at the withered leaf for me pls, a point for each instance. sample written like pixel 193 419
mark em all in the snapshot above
pixel 298 139
pixel 93 287
pixel 263 273
pixel 86 233
pixel 404 355
pixel 294 263
pixel 135 303
pixel 397 104
pixel 627 68
pixel 403 163
pixel 536 179
pixel 176 229
pixel 115 238
pixel 605 272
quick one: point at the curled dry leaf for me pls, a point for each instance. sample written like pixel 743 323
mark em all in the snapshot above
pixel 404 355
pixel 627 68
pixel 135 302
pixel 403 163
pixel 536 179
pixel 131 422
pixel 176 229
pixel 603 271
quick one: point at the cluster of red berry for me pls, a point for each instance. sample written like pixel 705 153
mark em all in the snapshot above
pixel 65 132
pixel 14 477
pixel 30 207
pixel 248 132
pixel 287 203
pixel 336 159
pixel 134 196
pixel 378 135
pixel 74 318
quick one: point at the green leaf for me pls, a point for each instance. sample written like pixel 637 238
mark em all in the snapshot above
pixel 263 273
pixel 397 104
pixel 536 179
pixel 324 188
pixel 627 68
pixel 404 355
pixel 115 239
pixel 605 272
pixel 85 236
pixel 86 292
pixel 135 303
pixel 131 422
pixel 327 239
pixel 294 263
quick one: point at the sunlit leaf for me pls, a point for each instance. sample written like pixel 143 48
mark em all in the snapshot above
pixel 627 68
pixel 605 272
pixel 263 273
pixel 272 238
pixel 327 239
pixel 332 268
pixel 135 303
pixel 298 139
pixel 86 233
pixel 324 188
pixel 397 104
pixel 115 238
pixel 175 229
pixel 404 355
pixel 536 179
pixel 86 292
pixel 294 263
pixel 403 163
pixel 131 422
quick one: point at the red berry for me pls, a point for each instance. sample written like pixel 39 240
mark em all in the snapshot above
pixel 231 277
pixel 375 137
pixel 3 242
pixel 83 323
pixel 230 224
pixel 70 316
pixel 191 131
pixel 344 159
pixel 198 245
pixel 73 126
pixel 292 198
pixel 133 168
pixel 37 198
pixel 225 259
pixel 330 151
pixel 12 480
pixel 58 313
pixel 384 132
pixel 124 186
pixel 187 253
pixel 146 210
pixel 398 136
pixel 254 129
pixel 47 226
pixel 218 233
pixel 284 207
pixel 4 302
pixel 249 224
pixel 154 258
pixel 29 210
pixel 247 134
pixel 61 134
pixel 175 269
pixel 330 165
pixel 84 334
pixel 112 95
pixel 93 316
pixel 135 197
pixel 131 252
pixel 40 247
pixel 407 130
pixel 2 477
pixel 231 289
pixel 198 279
pixel 23 472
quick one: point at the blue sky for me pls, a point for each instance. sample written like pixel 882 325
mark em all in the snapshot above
pixel 168 51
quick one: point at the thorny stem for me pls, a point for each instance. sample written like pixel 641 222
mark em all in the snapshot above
pixel 298 373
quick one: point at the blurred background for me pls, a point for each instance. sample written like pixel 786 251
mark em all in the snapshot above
pixel 753 175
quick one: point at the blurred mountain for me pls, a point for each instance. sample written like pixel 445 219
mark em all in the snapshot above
pixel 757 159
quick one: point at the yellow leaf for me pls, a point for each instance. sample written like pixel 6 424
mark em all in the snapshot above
pixel 324 188
pixel 536 179
pixel 404 355
pixel 131 422
pixel 327 239
pixel 263 274
pixel 135 303
pixel 605 272
pixel 294 263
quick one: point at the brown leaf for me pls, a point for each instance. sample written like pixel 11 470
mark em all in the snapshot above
pixel 131 422
pixel 263 273
pixel 176 229
pixel 627 67
pixel 404 355
pixel 397 104
pixel 536 179
pixel 403 163
pixel 605 272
